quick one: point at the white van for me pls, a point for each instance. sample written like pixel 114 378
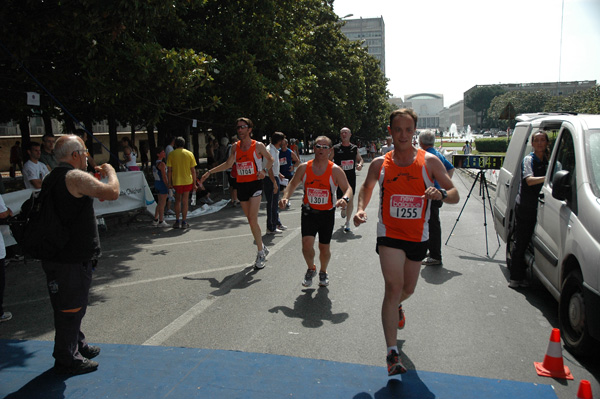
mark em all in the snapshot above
pixel 564 253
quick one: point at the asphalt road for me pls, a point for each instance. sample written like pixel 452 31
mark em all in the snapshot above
pixel 196 288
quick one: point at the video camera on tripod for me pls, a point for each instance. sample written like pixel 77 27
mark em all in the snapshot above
pixel 482 163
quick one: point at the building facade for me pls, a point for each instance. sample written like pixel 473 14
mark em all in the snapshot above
pixel 371 33
pixel 428 107
pixel 554 88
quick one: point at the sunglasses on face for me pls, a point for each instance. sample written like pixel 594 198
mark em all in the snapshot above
pixel 322 147
pixel 241 127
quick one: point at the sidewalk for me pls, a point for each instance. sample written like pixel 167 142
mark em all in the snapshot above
pixel 132 371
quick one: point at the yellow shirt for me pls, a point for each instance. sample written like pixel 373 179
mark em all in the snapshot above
pixel 181 162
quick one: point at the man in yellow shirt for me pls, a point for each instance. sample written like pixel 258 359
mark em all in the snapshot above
pixel 181 164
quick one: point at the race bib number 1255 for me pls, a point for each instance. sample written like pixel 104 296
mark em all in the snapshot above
pixel 406 206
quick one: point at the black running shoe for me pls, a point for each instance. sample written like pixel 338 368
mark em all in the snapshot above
pixel 394 364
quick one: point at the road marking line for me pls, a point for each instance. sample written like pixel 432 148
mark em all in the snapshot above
pixel 180 322
pixel 172 276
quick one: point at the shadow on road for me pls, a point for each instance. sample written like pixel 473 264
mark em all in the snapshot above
pixel 312 311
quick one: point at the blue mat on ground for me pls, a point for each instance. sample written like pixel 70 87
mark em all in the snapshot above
pixel 132 371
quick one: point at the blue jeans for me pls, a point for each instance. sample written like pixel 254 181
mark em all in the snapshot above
pixel 272 203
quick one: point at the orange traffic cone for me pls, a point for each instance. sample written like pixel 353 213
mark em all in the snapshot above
pixel 553 361
pixel 585 390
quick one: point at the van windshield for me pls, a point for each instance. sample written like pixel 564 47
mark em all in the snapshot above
pixel 594 160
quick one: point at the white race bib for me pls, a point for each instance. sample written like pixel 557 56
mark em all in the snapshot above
pixel 245 168
pixel 406 206
pixel 283 161
pixel 348 165
pixel 317 196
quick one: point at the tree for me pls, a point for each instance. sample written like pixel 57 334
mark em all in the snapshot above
pixel 522 101
pixel 584 102
pixel 479 100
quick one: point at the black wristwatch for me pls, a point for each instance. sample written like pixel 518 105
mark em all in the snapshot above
pixel 346 199
pixel 444 193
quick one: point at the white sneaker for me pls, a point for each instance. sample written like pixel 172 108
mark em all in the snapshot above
pixel 260 260
pixel 6 316
pixel 282 227
pixel 276 231
pixel 155 222
pixel 163 224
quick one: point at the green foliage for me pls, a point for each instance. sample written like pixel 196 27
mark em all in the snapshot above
pixel 283 63
pixel 479 100
pixel 583 102
pixel 499 144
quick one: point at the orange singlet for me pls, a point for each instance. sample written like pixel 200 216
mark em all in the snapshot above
pixel 403 209
pixel 248 163
pixel 319 190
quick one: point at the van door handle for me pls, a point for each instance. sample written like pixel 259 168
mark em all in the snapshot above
pixel 507 184
pixel 541 198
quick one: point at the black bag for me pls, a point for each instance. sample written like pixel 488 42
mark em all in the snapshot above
pixel 37 228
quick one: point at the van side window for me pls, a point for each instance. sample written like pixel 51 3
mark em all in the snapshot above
pixel 565 160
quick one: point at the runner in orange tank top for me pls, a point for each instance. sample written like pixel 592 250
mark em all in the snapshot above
pixel 405 176
pixel 253 162
pixel 320 178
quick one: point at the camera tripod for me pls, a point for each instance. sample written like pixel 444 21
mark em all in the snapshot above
pixel 483 191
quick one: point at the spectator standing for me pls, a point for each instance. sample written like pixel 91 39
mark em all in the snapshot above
pixel 161 184
pixel 426 142
pixel 294 147
pixel 171 196
pixel 130 153
pixel 271 186
pixel 69 274
pixel 321 179
pixel 252 163
pixel 232 175
pixel 181 165
pixel 5 212
pixel 300 147
pixel 34 171
pixel 533 174
pixel 467 148
pixel 388 146
pixel 346 155
pixel 15 159
pixel 288 162
pixel 47 156
pixel 402 232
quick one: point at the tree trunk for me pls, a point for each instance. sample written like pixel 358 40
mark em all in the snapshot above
pixel 25 137
pixel 114 143
pixel 47 123
pixel 90 136
pixel 151 144
pixel 133 137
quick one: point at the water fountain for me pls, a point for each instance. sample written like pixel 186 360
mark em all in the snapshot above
pixel 453 131
pixel 468 135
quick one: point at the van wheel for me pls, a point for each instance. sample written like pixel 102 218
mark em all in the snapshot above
pixel 510 244
pixel 571 315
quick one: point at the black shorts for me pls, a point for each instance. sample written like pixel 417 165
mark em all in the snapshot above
pixel 322 222
pixel 232 181
pixel 351 182
pixel 415 251
pixel 249 189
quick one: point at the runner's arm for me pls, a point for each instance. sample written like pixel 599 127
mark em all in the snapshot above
pixel 224 166
pixel 291 187
pixel 366 190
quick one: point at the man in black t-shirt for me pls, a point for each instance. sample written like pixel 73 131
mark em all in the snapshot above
pixel 345 155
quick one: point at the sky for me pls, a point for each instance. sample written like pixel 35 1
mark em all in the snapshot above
pixel 448 46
